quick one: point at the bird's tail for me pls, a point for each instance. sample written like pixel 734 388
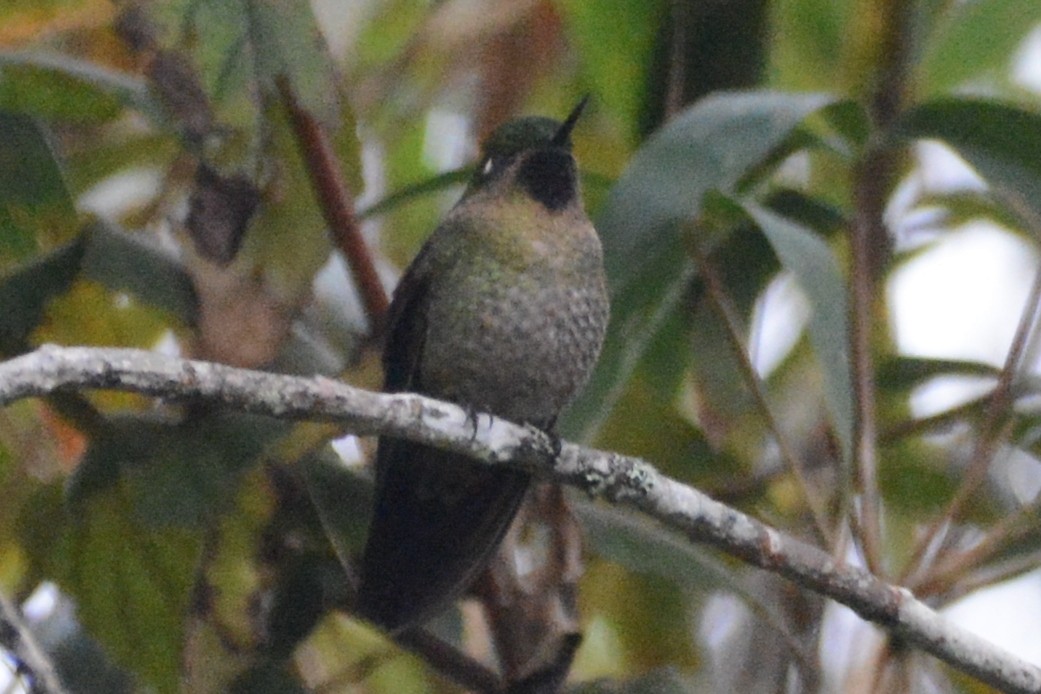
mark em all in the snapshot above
pixel 438 518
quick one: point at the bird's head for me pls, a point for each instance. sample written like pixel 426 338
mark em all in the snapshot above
pixel 533 153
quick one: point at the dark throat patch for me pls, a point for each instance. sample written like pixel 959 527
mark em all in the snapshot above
pixel 549 176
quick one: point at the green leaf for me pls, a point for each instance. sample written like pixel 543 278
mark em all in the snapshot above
pixel 843 127
pixel 745 263
pixel 637 318
pixel 962 206
pixel 286 42
pixel 126 263
pixel 816 269
pixel 975 38
pixel 645 547
pixel 175 475
pixel 808 211
pixel 1001 141
pixel 711 146
pixel 904 373
pixel 916 478
pixel 34 200
pixel 292 220
pixel 343 500
pixel 434 184
pixel 131 584
pixel 25 293
pixel 56 86
pixel 252 43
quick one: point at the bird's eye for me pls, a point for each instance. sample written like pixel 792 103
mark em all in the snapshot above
pixel 489 166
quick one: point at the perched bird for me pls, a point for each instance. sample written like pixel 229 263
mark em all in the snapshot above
pixel 503 311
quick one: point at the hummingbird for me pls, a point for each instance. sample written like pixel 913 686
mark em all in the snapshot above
pixel 503 311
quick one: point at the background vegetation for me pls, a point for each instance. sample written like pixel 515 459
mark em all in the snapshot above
pixel 162 184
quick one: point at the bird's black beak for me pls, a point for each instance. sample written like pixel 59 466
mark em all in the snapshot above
pixel 562 138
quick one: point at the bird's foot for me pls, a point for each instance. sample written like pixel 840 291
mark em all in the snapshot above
pixel 554 443
pixel 473 417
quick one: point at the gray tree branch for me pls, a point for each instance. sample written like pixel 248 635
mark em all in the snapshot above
pixel 620 479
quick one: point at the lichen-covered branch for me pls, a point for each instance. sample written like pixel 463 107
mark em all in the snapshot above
pixel 623 480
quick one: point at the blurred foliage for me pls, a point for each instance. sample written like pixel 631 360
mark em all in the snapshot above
pixel 200 550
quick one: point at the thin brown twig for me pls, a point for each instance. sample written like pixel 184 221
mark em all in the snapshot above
pixel 724 307
pixel 990 435
pixel 869 242
pixel 939 577
pixel 532 615
pixel 870 192
pixel 337 207
pixel 992 574
pixel 676 78
pixel 944 573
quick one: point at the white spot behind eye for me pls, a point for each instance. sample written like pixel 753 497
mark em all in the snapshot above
pixel 489 164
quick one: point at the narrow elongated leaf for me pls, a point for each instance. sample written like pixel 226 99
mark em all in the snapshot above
pixel 645 547
pixel 286 42
pixel 434 184
pixel 52 85
pixel 812 213
pixel 903 373
pixel 637 317
pixel 962 206
pixel 816 269
pixel 33 194
pixel 711 146
pixel 1000 140
pixel 25 293
pixel 343 500
pixel 124 263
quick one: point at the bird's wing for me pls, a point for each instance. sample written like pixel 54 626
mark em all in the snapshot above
pixel 407 327
pixel 438 516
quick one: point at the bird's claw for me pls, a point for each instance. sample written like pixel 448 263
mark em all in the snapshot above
pixel 556 444
pixel 473 415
